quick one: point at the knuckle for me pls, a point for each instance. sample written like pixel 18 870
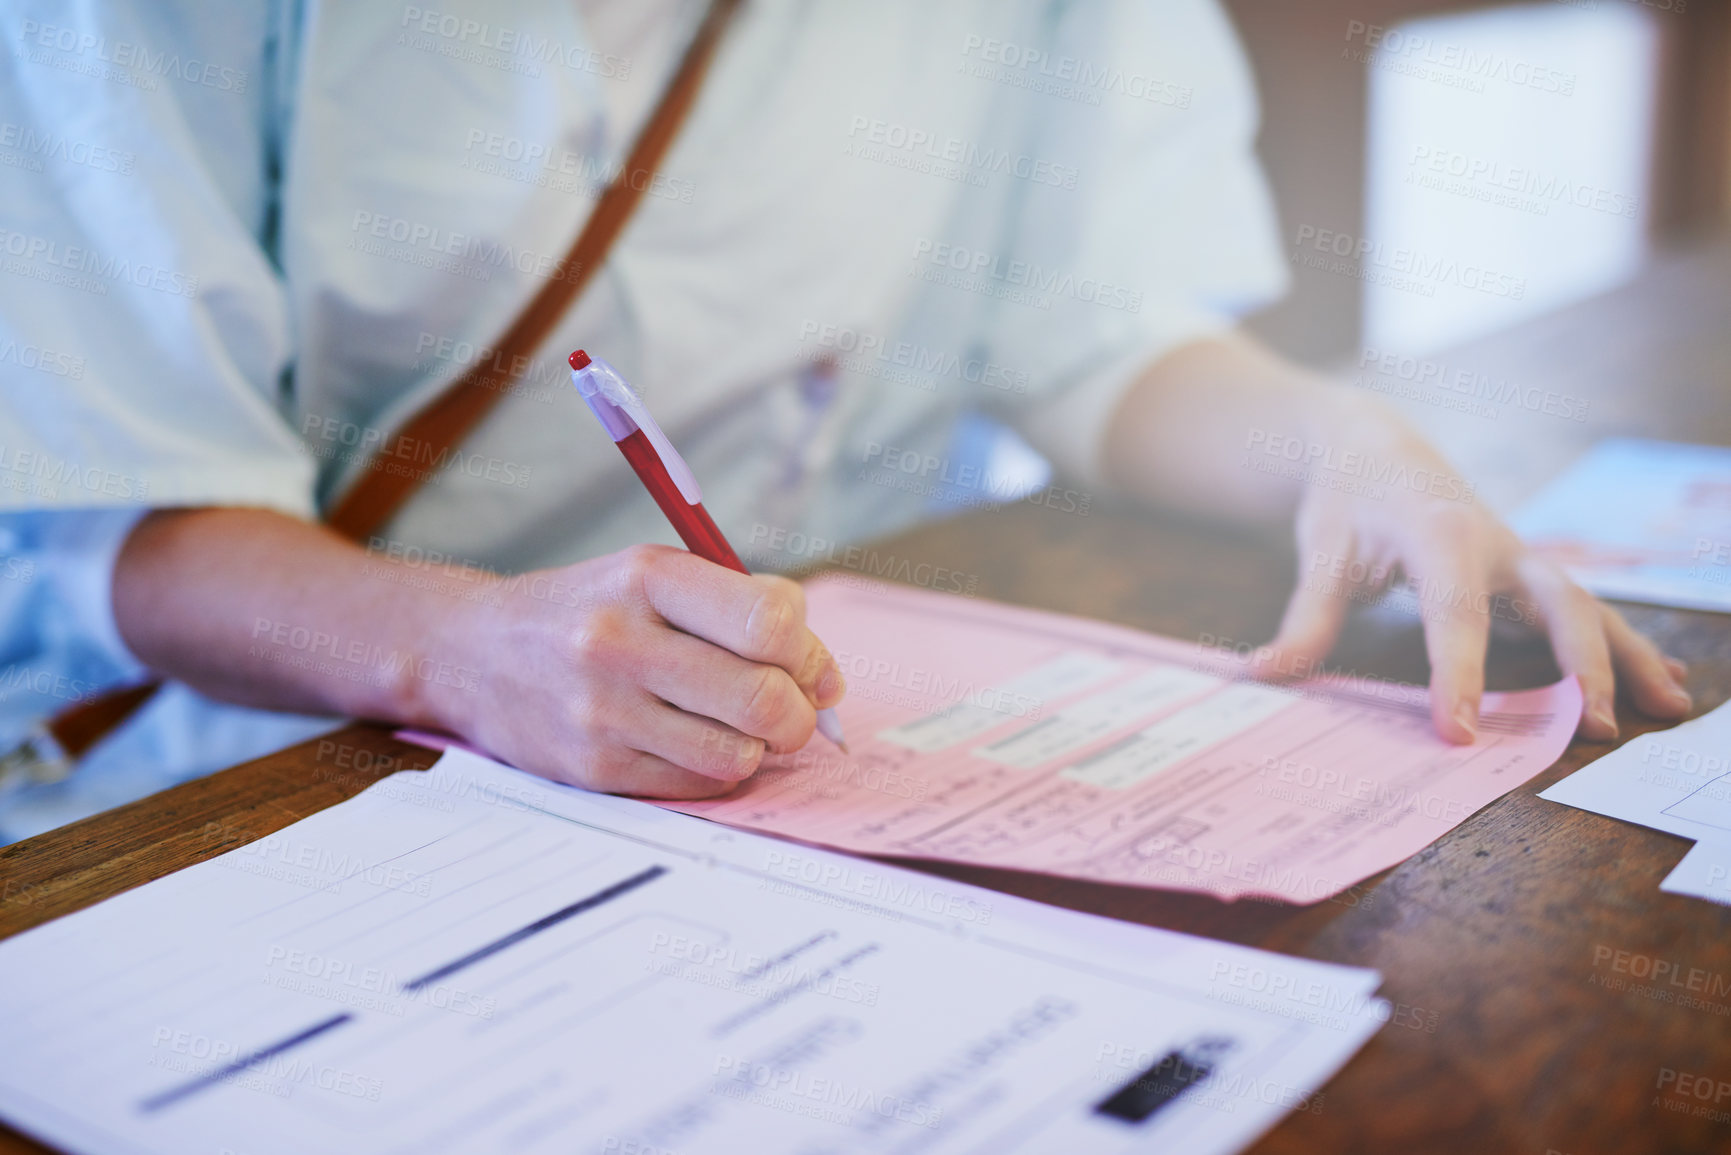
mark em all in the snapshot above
pixel 728 754
pixel 792 590
pixel 636 566
pixel 817 659
pixel 638 559
pixel 774 624
pixel 766 704
pixel 603 639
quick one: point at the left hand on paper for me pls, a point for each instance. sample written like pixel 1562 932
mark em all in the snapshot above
pixel 1224 428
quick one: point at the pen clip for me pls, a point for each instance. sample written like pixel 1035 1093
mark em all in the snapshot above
pixel 600 380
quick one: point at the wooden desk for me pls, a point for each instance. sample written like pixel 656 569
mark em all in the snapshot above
pixel 1496 936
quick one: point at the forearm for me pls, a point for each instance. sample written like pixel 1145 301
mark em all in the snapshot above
pixel 1209 428
pixel 261 609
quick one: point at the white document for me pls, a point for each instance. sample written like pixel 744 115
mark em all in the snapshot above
pixel 475 960
pixel 1705 872
pixel 1676 780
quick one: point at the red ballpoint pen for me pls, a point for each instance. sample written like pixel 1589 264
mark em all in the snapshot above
pixel 664 474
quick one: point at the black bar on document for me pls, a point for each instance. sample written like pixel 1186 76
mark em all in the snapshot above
pixel 600 897
pixel 1138 1100
pixel 175 1094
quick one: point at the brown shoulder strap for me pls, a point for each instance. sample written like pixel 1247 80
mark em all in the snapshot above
pixel 378 494
pixel 372 500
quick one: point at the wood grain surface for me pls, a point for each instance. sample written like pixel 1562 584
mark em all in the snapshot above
pixel 1496 942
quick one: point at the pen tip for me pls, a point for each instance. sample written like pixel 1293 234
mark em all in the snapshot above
pixel 830 727
pixel 579 360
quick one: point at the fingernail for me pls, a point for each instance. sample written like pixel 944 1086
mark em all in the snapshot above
pixel 831 686
pixel 1677 669
pixel 1680 699
pixel 1467 716
pixel 1606 718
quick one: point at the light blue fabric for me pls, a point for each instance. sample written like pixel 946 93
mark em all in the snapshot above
pixel 138 200
pixel 58 644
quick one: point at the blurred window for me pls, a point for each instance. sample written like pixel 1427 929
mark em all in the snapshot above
pixel 1507 166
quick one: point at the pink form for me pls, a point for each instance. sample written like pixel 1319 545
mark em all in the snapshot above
pixel 1009 737
pixel 1015 738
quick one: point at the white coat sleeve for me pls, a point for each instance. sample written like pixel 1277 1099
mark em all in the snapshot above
pixel 1162 232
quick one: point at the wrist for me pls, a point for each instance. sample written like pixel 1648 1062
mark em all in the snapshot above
pixel 436 679
pixel 1342 419
pixel 1332 410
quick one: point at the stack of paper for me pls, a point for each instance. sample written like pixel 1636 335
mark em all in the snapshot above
pixel 472 960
